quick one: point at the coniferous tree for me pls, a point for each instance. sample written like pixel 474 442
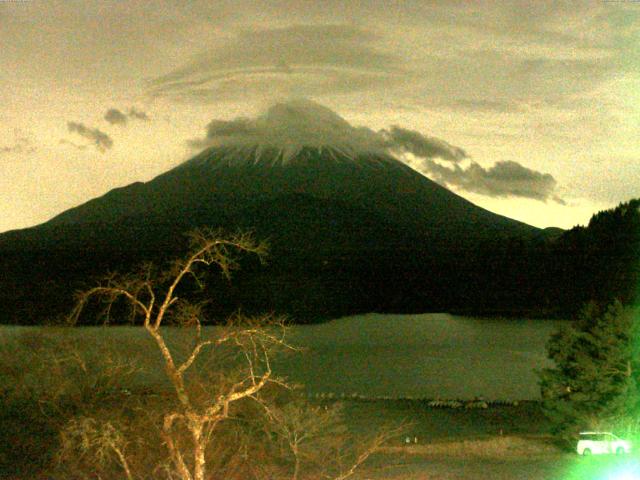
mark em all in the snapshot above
pixel 595 382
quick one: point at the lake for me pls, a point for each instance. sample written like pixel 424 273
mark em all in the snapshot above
pixel 420 356
pixel 430 355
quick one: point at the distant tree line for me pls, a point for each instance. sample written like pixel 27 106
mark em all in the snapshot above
pixel 552 275
pixel 599 262
pixel 353 268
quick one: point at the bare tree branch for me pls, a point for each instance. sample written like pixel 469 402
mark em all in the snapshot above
pixel 244 347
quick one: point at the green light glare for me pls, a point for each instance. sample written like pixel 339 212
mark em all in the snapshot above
pixel 605 467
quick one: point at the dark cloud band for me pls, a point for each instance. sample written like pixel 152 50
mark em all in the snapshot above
pixel 421 145
pixel 138 114
pixel 21 144
pixel 101 140
pixel 503 179
pixel 117 117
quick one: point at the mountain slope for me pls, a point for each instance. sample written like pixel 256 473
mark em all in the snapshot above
pixel 211 183
pixel 349 232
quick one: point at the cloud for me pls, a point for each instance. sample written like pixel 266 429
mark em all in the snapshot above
pixel 421 145
pixel 300 60
pixel 115 117
pixel 228 132
pixel 101 140
pixel 274 83
pixel 138 114
pixel 21 144
pixel 426 54
pixel 292 125
pixel 503 179
pixel 64 141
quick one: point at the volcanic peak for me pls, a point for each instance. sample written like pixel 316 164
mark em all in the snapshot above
pixel 286 129
pixel 299 155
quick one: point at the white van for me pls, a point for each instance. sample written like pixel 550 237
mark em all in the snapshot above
pixel 598 443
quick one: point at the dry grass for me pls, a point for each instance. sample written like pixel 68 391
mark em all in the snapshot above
pixel 496 457
pixel 498 447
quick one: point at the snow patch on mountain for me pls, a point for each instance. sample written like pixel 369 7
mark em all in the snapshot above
pixel 302 155
pixel 288 128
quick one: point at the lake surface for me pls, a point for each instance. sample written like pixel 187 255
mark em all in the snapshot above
pixel 421 356
pixel 430 355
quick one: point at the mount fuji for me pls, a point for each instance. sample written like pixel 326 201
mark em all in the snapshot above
pixel 351 227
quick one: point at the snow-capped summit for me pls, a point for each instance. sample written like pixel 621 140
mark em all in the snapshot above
pixel 292 156
pixel 285 129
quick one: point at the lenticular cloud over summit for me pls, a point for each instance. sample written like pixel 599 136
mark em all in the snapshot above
pixel 288 127
pixel 291 126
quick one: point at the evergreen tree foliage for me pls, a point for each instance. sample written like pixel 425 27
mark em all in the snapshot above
pixel 594 384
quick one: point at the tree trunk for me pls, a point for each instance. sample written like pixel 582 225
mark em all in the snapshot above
pixel 198 451
pixel 174 450
pixel 296 467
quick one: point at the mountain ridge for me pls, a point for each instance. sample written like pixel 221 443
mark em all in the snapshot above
pixel 207 174
pixel 333 220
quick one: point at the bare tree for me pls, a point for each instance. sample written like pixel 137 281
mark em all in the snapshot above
pixel 300 425
pixel 103 441
pixel 317 438
pixel 153 298
pixel 220 369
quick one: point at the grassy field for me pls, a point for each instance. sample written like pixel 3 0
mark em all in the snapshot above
pixel 502 443
pixel 436 441
pixel 509 442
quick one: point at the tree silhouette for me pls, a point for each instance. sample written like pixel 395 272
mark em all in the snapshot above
pixel 595 382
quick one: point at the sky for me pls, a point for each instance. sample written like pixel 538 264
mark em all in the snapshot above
pixel 530 109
